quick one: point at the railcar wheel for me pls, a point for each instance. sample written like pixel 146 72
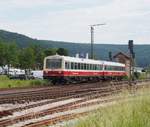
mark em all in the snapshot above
pixel 53 82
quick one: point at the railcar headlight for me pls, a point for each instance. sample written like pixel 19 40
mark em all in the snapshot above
pixel 46 71
pixel 59 72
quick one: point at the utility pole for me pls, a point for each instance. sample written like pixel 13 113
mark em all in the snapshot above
pixel 92 38
pixel 92 42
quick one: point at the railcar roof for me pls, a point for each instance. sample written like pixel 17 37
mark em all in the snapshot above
pixel 83 60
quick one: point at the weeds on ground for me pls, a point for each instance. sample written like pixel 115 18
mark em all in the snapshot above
pixel 5 82
pixel 133 113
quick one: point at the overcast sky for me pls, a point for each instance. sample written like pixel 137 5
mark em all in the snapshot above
pixel 69 20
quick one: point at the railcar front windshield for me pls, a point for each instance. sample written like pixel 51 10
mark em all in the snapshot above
pixel 53 63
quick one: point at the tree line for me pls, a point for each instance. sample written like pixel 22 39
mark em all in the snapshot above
pixel 26 58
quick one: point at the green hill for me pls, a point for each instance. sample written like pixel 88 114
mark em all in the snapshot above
pixel 100 50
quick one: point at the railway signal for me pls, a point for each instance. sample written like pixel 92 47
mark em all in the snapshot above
pixel 130 47
pixel 132 59
pixel 92 38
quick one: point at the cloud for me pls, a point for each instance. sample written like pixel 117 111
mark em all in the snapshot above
pixel 23 3
pixel 69 20
pixel 39 3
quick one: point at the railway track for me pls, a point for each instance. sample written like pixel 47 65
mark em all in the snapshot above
pixel 36 94
pixel 69 116
pixel 84 97
pixel 46 93
pixel 72 105
pixel 77 95
pixel 63 108
pixel 49 93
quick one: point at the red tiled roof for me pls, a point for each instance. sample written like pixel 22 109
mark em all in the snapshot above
pixel 121 53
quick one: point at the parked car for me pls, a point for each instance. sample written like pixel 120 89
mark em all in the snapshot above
pixel 19 74
pixel 37 74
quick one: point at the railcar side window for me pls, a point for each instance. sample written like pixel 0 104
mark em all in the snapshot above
pixel 72 65
pixel 91 67
pixel 67 65
pixel 99 67
pixel 94 67
pixel 88 67
pixel 115 68
pixel 123 68
pixel 109 68
pixel 79 66
pixel 76 66
pixel 54 63
pixel 84 66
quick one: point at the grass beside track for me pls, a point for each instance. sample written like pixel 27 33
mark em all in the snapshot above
pixel 134 113
pixel 5 82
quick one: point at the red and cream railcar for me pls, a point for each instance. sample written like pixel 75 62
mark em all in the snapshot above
pixel 69 69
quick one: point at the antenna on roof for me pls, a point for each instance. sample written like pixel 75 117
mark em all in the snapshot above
pixel 92 37
pixel 77 55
